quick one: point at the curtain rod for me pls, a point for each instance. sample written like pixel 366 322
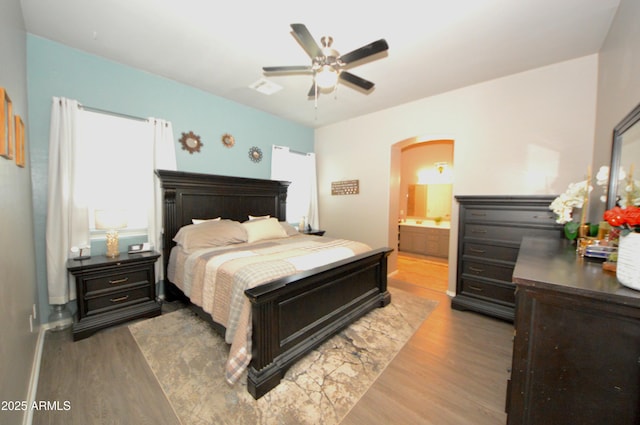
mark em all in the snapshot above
pixel 117 114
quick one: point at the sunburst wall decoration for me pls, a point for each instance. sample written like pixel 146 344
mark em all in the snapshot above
pixel 255 154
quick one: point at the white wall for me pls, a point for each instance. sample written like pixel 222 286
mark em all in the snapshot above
pixel 618 83
pixel 17 264
pixel 528 133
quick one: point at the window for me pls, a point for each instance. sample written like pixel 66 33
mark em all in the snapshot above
pixel 116 168
pixel 300 170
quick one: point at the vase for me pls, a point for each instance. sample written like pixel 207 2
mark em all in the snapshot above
pixel 571 230
pixel 628 266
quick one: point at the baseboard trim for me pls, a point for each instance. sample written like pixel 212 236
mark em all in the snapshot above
pixel 35 375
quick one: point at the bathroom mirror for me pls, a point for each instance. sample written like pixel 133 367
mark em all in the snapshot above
pixel 429 201
pixel 625 153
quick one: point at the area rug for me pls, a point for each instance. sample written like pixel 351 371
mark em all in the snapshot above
pixel 188 357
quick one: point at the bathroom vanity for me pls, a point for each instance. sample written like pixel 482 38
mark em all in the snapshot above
pixel 425 237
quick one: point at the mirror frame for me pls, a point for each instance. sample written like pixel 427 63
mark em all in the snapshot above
pixel 616 151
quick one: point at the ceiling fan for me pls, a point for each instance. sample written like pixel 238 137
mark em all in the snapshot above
pixel 327 65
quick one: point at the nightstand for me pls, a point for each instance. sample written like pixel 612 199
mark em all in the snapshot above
pixel 111 291
pixel 314 232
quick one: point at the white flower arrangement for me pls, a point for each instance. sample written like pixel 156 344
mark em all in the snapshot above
pixel 630 188
pixel 575 197
pixel 577 194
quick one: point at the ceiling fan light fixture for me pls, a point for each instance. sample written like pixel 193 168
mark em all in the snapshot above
pixel 326 77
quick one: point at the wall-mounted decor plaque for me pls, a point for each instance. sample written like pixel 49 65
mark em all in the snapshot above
pixel 345 187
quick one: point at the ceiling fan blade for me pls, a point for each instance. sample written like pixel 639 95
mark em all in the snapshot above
pixel 354 79
pixel 365 51
pixel 312 90
pixel 308 43
pixel 294 68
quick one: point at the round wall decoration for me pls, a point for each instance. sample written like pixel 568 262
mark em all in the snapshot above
pixel 191 142
pixel 228 140
pixel 255 154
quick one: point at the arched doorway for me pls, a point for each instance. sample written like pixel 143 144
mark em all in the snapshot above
pixel 421 198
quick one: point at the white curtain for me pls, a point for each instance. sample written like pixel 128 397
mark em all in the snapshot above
pixel 312 216
pixel 67 217
pixel 164 158
pixel 300 170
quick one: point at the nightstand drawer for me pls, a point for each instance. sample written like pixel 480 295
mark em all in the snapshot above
pixel 117 300
pixel 115 281
pixel 489 291
pixel 488 270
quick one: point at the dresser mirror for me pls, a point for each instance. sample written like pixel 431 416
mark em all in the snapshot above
pixel 625 153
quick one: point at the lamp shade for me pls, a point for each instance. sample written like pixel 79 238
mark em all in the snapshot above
pixel 326 77
pixel 110 219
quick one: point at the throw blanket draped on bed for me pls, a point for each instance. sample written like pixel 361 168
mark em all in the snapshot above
pixel 216 278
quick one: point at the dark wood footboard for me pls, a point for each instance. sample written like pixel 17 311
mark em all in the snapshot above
pixel 293 315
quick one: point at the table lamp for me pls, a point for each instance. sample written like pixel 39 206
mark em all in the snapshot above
pixel 111 221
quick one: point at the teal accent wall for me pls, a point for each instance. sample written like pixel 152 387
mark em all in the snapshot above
pixel 54 69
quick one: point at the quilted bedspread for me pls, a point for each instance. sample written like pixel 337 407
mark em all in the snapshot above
pixel 216 278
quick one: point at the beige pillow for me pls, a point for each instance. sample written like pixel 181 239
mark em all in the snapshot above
pixel 267 228
pixel 258 217
pixel 211 233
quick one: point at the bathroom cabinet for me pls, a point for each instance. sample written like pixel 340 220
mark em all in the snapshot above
pixel 431 241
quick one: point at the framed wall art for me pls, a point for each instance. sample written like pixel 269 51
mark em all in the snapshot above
pixel 6 125
pixel 19 126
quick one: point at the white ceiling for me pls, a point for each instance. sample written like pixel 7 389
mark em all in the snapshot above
pixel 220 47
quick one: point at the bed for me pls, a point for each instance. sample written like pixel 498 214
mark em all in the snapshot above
pixel 291 315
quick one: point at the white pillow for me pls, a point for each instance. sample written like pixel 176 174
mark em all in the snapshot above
pixel 268 228
pixel 202 220
pixel 258 217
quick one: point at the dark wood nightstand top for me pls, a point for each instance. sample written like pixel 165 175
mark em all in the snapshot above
pixel 103 260
pixel 316 232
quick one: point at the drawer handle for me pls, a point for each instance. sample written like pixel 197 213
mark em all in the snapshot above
pixel 118 281
pixel 477 214
pixel 477 251
pixel 475 269
pixel 478 231
pixel 543 217
pixel 117 300
pixel 475 288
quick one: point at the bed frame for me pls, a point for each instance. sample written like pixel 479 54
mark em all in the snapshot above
pixel 292 315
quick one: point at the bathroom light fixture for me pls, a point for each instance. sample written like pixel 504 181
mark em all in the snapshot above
pixel 111 221
pixel 440 166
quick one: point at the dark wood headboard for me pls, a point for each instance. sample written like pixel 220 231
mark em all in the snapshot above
pixel 193 195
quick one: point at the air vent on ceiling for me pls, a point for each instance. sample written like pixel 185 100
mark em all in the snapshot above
pixel 265 86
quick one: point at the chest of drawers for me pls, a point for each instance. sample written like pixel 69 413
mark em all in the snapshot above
pixel 490 231
pixel 111 291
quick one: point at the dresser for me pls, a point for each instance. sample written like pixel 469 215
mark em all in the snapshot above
pixel 576 351
pixel 490 231
pixel 111 291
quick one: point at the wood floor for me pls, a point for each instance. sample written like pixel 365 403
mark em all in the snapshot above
pixel 452 371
